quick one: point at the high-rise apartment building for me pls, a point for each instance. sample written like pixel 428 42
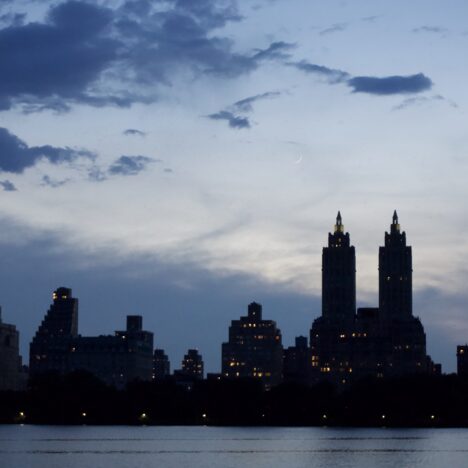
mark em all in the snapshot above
pixel 254 349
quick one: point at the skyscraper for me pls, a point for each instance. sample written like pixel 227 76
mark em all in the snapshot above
pixel 331 333
pixel 384 341
pixel 49 348
pixel 254 349
pixel 395 275
pixel 339 276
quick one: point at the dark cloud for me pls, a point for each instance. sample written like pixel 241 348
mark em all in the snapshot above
pixel 110 286
pixel 130 165
pixel 16 155
pixel 379 86
pixel 337 27
pixel 49 182
pixel 430 29
pixel 8 186
pixel 87 53
pixel 246 105
pixel 59 58
pixel 390 85
pixel 234 121
pixel 275 51
pixel 168 170
pixel 133 131
pixel 330 74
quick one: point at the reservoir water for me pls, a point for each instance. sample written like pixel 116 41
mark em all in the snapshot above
pixel 229 447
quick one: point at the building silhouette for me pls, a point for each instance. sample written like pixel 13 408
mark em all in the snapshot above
pixel 115 359
pixel 297 361
pixel 12 374
pixel 161 365
pixel 386 341
pixel 462 361
pixel 192 364
pixel 254 349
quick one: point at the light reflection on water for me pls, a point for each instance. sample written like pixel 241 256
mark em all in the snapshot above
pixel 144 447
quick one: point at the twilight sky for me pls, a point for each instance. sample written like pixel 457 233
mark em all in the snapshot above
pixel 179 159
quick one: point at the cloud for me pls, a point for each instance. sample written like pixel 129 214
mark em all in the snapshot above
pixel 234 121
pixel 378 86
pixel 130 165
pixel 61 57
pixel 370 19
pixel 16 155
pixel 275 51
pixel 430 29
pixel 390 85
pixel 133 131
pixel 245 105
pixel 337 27
pixel 231 113
pixel 330 74
pixel 95 55
pixel 48 181
pixel 419 100
pixel 8 186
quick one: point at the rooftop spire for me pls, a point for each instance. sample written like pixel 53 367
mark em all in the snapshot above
pixel 395 227
pixel 339 225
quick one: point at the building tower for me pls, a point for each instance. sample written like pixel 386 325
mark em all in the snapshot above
pixel 339 276
pixel 395 275
pixel 331 333
pixel 254 349
pixel 57 328
pixel 192 365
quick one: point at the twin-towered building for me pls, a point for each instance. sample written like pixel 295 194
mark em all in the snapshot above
pixel 386 341
pixel 345 343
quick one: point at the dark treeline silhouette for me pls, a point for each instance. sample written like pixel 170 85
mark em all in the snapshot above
pixel 80 398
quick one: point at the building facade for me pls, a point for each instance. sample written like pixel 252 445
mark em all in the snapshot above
pixel 115 359
pixel 462 361
pixel 161 365
pixel 254 349
pixel 12 375
pixel 386 341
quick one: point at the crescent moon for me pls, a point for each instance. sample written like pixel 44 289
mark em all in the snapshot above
pixel 299 160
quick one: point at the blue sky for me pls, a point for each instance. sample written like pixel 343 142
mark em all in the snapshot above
pixel 180 159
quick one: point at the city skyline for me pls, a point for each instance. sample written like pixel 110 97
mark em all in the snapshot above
pixel 338 300
pixel 181 159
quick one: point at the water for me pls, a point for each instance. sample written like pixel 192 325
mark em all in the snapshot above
pixel 223 447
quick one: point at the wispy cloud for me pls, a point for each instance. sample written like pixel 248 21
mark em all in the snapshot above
pixel 243 106
pixel 130 165
pixel 420 100
pixel 53 183
pixel 134 132
pixel 8 186
pixel 246 104
pixel 430 29
pixel 234 121
pixel 334 28
pixel 330 74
